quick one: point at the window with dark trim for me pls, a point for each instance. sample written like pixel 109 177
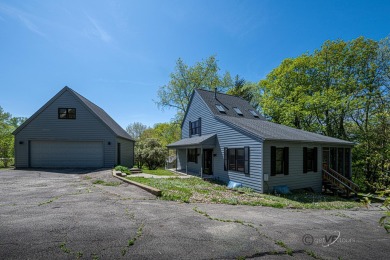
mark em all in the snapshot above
pixel 237 159
pixel 309 159
pixel 192 155
pixel 67 113
pixel 279 160
pixel 195 127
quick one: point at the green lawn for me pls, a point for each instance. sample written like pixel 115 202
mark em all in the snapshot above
pixel 197 190
pixel 8 168
pixel 159 171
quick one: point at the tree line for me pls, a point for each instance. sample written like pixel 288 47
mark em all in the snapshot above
pixel 8 124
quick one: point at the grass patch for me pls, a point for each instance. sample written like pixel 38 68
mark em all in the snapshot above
pixel 105 183
pixel 193 190
pixel 123 169
pixel 131 241
pixel 282 244
pixel 159 171
pixel 49 201
pixel 64 248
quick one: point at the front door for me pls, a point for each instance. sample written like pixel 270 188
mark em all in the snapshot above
pixel 208 161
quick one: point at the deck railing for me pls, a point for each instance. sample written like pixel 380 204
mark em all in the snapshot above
pixel 339 180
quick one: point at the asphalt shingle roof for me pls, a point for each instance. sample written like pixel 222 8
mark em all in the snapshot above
pixel 272 131
pixel 258 127
pixel 100 113
pixel 196 140
pixel 228 102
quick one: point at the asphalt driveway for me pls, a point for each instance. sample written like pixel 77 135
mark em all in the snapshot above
pixel 61 214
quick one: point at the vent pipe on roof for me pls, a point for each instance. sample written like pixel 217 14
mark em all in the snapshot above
pixel 215 93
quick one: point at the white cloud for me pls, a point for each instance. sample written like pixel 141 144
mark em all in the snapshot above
pixel 99 31
pixel 24 18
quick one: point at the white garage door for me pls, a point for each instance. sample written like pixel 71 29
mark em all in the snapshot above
pixel 48 154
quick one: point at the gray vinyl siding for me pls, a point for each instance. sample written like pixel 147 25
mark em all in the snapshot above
pixel 181 161
pixel 296 179
pixel 46 126
pixel 127 152
pixel 226 137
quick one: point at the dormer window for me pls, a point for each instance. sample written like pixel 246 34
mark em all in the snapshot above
pixel 220 109
pixel 238 111
pixel 254 113
pixel 67 113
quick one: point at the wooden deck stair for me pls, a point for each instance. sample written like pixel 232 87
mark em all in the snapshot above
pixel 337 183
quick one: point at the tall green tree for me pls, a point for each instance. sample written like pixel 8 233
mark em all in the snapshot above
pixel 165 133
pixel 246 90
pixel 203 75
pixel 340 90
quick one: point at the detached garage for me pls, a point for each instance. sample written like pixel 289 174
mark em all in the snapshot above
pixel 70 131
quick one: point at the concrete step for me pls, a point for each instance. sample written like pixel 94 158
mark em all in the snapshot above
pixel 135 170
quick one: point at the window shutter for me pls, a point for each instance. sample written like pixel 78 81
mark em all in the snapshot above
pixel 225 158
pixel 315 159
pixel 200 126
pixel 196 155
pixel 273 160
pixel 189 129
pixel 304 159
pixel 246 156
pixel 285 160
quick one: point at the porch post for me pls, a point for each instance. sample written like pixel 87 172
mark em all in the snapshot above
pixel 201 161
pixel 177 158
pixel 186 160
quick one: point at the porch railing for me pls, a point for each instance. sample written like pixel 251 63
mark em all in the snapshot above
pixel 339 180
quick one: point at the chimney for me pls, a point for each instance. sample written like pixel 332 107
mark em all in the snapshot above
pixel 215 93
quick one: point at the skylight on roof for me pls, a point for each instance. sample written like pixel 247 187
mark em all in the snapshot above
pixel 238 111
pixel 220 108
pixel 254 113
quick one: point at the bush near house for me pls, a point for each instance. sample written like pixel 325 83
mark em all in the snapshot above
pixel 123 169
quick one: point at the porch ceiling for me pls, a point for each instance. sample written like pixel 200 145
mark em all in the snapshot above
pixel 206 140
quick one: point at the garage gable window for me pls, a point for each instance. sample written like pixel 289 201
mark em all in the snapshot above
pixel 67 113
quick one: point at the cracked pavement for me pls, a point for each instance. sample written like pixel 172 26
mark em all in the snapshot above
pixel 61 214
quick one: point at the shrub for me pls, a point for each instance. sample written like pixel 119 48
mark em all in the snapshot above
pixel 122 169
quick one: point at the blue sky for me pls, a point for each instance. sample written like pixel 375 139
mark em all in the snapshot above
pixel 118 53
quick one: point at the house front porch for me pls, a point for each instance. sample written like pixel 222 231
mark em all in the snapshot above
pixel 195 155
